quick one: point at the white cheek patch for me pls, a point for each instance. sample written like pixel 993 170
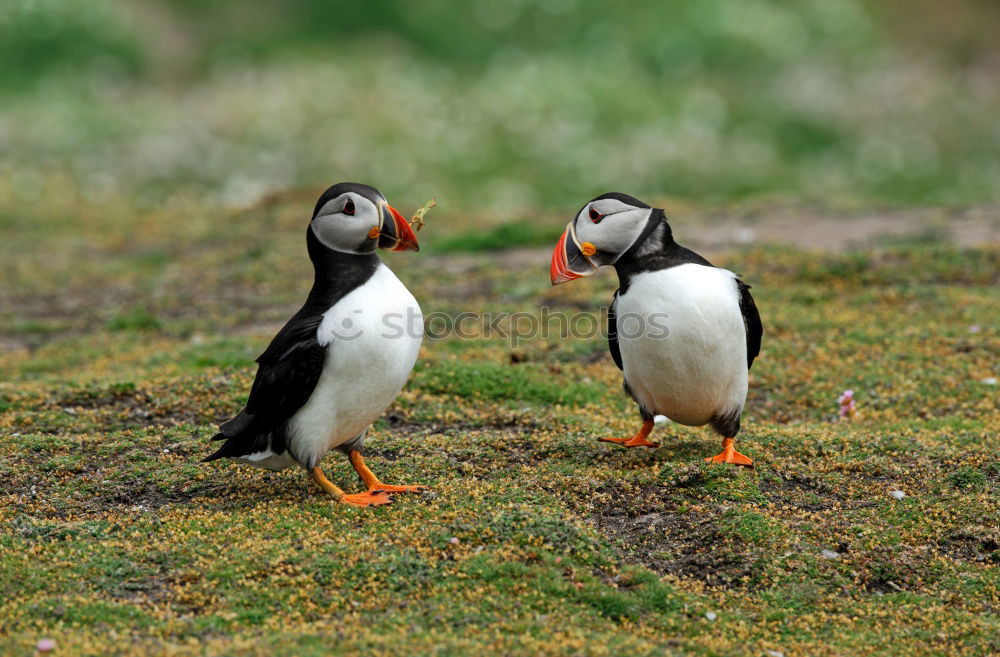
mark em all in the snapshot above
pixel 615 233
pixel 343 232
pixel 340 232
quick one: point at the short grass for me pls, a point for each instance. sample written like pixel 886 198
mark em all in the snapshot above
pixel 125 343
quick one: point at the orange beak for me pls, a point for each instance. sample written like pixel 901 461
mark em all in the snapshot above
pixel 396 234
pixel 559 271
pixel 569 260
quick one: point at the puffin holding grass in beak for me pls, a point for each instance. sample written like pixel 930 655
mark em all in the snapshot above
pixel 343 357
pixel 683 332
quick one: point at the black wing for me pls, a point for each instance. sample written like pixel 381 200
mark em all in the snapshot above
pixel 287 374
pixel 616 353
pixel 751 321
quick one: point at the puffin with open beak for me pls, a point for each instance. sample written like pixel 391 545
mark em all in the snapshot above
pixel 343 357
pixel 683 332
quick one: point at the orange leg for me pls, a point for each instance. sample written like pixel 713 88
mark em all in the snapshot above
pixel 358 499
pixel 371 481
pixel 730 455
pixel 638 440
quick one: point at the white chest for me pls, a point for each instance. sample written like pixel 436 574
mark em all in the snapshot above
pixel 683 342
pixel 372 335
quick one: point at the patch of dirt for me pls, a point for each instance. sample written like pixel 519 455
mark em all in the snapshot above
pixel 12 344
pixel 146 496
pixel 888 570
pixel 37 497
pixel 911 568
pixel 400 424
pixel 801 492
pixel 123 408
pixel 147 590
pixel 114 496
pixel 829 232
pixel 655 533
pixel 977 543
pixel 514 445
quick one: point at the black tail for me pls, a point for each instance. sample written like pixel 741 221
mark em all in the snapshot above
pixel 727 424
pixel 222 452
pixel 228 431
pixel 234 427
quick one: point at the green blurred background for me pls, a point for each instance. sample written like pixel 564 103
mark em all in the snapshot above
pixel 498 108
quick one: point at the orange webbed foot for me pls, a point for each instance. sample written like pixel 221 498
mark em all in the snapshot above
pixel 389 488
pixel 371 481
pixel 370 498
pixel 634 441
pixel 638 440
pixel 357 499
pixel 730 455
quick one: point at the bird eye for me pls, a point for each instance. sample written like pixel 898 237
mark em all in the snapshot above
pixel 595 216
pixel 349 207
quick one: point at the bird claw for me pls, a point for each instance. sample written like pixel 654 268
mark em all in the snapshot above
pixel 638 440
pixel 371 498
pixel 630 442
pixel 730 455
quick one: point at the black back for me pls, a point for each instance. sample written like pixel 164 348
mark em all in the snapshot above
pixel 751 321
pixel 655 249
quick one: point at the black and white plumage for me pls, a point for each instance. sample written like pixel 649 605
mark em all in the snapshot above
pixel 343 357
pixel 684 332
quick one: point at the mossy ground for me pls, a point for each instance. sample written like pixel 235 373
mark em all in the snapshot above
pixel 126 342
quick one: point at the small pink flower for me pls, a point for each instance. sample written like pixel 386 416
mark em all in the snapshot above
pixel 454 540
pixel 846 402
pixel 46 645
